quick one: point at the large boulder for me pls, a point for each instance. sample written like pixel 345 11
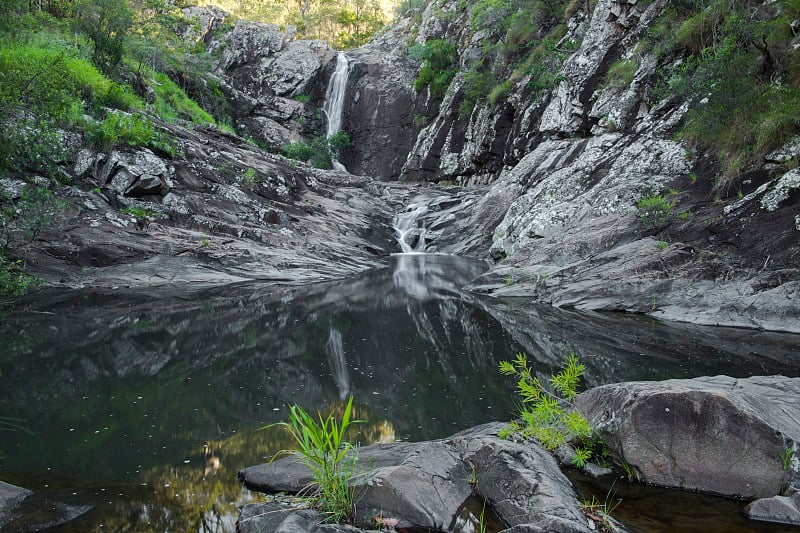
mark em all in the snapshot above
pixel 426 484
pixel 136 174
pixel 713 434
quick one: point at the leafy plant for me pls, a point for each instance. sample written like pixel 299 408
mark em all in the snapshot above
pixel 139 212
pixel 547 414
pixel 22 219
pixel 249 177
pixel 438 68
pixel 600 512
pixel 321 151
pixel 131 129
pixel 655 211
pixel 106 24
pixel 321 446
pixel 787 457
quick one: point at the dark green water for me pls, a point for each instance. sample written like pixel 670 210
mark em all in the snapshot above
pixel 143 406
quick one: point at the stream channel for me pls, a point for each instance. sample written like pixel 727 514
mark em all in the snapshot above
pixel 140 407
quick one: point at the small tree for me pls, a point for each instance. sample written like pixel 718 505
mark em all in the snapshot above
pixel 105 23
pixel 547 414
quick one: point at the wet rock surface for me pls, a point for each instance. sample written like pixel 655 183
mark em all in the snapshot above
pixel 223 211
pixel 423 485
pixel 714 434
pixel 11 497
pixel 778 509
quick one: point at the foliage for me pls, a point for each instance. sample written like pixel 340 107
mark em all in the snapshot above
pixel 322 448
pixel 621 73
pixel 105 23
pixel 53 83
pixel 130 129
pixel 342 23
pixel 249 177
pixel 299 151
pixel 656 211
pixel 321 152
pixel 787 457
pixel 23 218
pixel 172 102
pixel 600 512
pixel 439 66
pixel 139 211
pixel 546 413
pixel 14 282
pixel 742 76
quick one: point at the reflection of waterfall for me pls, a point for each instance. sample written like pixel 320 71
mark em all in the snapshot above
pixel 334 99
pixel 410 229
pixel 335 349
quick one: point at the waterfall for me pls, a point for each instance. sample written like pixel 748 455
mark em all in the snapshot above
pixel 334 99
pixel 410 228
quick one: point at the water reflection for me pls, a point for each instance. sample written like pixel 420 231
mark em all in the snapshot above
pixel 123 391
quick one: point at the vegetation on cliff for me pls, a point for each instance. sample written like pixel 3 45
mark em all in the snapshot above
pixel 342 23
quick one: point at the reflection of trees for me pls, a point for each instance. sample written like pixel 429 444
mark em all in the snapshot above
pixel 189 497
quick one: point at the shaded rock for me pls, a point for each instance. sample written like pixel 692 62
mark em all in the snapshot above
pixel 10 498
pixel 780 509
pixel 714 434
pixel 261 518
pixel 135 174
pixel 425 484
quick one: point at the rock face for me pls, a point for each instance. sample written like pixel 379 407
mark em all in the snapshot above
pixel 424 485
pixel 780 509
pixel 263 71
pixel 222 211
pixel 10 498
pixel 713 434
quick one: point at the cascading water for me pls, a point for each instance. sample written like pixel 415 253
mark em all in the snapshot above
pixel 334 100
pixel 410 229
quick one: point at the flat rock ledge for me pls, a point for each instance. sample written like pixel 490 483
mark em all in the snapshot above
pixel 426 485
pixel 733 437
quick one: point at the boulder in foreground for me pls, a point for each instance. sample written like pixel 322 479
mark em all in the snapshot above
pixel 713 434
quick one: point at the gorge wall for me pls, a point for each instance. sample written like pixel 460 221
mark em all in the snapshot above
pixel 556 161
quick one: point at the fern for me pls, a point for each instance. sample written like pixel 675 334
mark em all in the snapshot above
pixel 547 415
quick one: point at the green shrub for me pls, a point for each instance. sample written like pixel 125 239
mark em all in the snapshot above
pixel 656 211
pixel 23 218
pixel 322 447
pixel 172 102
pixel 14 283
pixel 321 152
pixel 140 211
pixel 56 85
pixel 438 69
pixel 131 129
pixel 500 92
pixel 547 414
pixel 30 145
pixel 106 24
pixel 299 151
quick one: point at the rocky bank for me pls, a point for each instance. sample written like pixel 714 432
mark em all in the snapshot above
pixel 550 181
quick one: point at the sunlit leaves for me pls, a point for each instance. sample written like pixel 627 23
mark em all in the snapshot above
pixel 546 414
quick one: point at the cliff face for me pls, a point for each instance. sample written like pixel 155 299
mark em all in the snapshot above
pixel 564 176
pixel 571 176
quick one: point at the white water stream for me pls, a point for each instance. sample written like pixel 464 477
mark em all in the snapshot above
pixel 410 229
pixel 334 100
